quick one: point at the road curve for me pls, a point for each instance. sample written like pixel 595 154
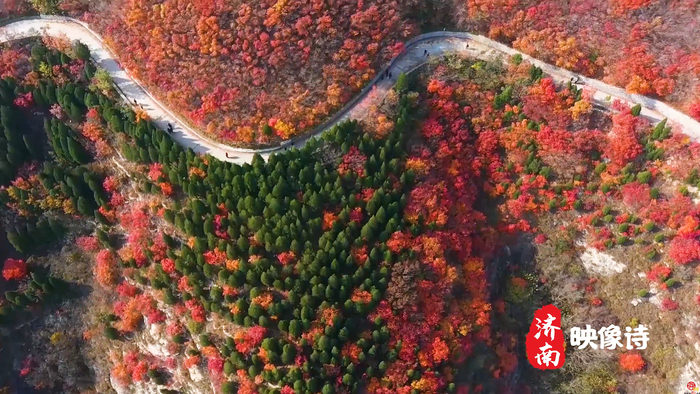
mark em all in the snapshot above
pixel 434 44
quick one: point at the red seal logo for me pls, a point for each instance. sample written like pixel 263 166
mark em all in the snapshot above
pixel 545 341
pixel 691 386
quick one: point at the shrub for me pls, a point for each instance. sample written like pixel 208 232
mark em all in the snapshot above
pixel 643 293
pixel 229 368
pixel 81 50
pixel 111 333
pixel 228 388
pixel 644 177
pixel 636 110
pixel 595 380
pixel 600 168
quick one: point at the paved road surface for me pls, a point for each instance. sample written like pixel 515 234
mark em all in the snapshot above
pixel 436 43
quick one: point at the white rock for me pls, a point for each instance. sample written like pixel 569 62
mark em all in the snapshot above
pixel 601 263
pixel 196 374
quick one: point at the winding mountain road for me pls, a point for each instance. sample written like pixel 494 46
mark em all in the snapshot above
pixel 436 44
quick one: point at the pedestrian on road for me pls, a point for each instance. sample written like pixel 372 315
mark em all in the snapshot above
pixel 135 103
pixel 425 52
pixel 227 155
pixel 170 128
pixel 389 75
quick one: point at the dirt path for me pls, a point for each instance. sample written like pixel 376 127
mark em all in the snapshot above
pixel 436 44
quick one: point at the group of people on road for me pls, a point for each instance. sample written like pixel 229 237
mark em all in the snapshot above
pixel 287 146
pixel 170 126
pixel 386 74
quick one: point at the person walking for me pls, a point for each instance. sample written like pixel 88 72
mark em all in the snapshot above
pixel 425 52
pixel 136 104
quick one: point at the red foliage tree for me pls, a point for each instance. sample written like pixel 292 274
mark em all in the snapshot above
pixel 659 273
pixel 623 145
pixel 684 250
pixel 105 268
pixel 25 100
pixel 695 110
pixel 636 195
pixel 14 269
pixel 197 311
pixel 168 265
pixel 632 362
pixel 668 304
pixel 88 244
pixel 353 162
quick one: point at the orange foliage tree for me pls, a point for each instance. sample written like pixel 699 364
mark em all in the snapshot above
pixel 231 67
